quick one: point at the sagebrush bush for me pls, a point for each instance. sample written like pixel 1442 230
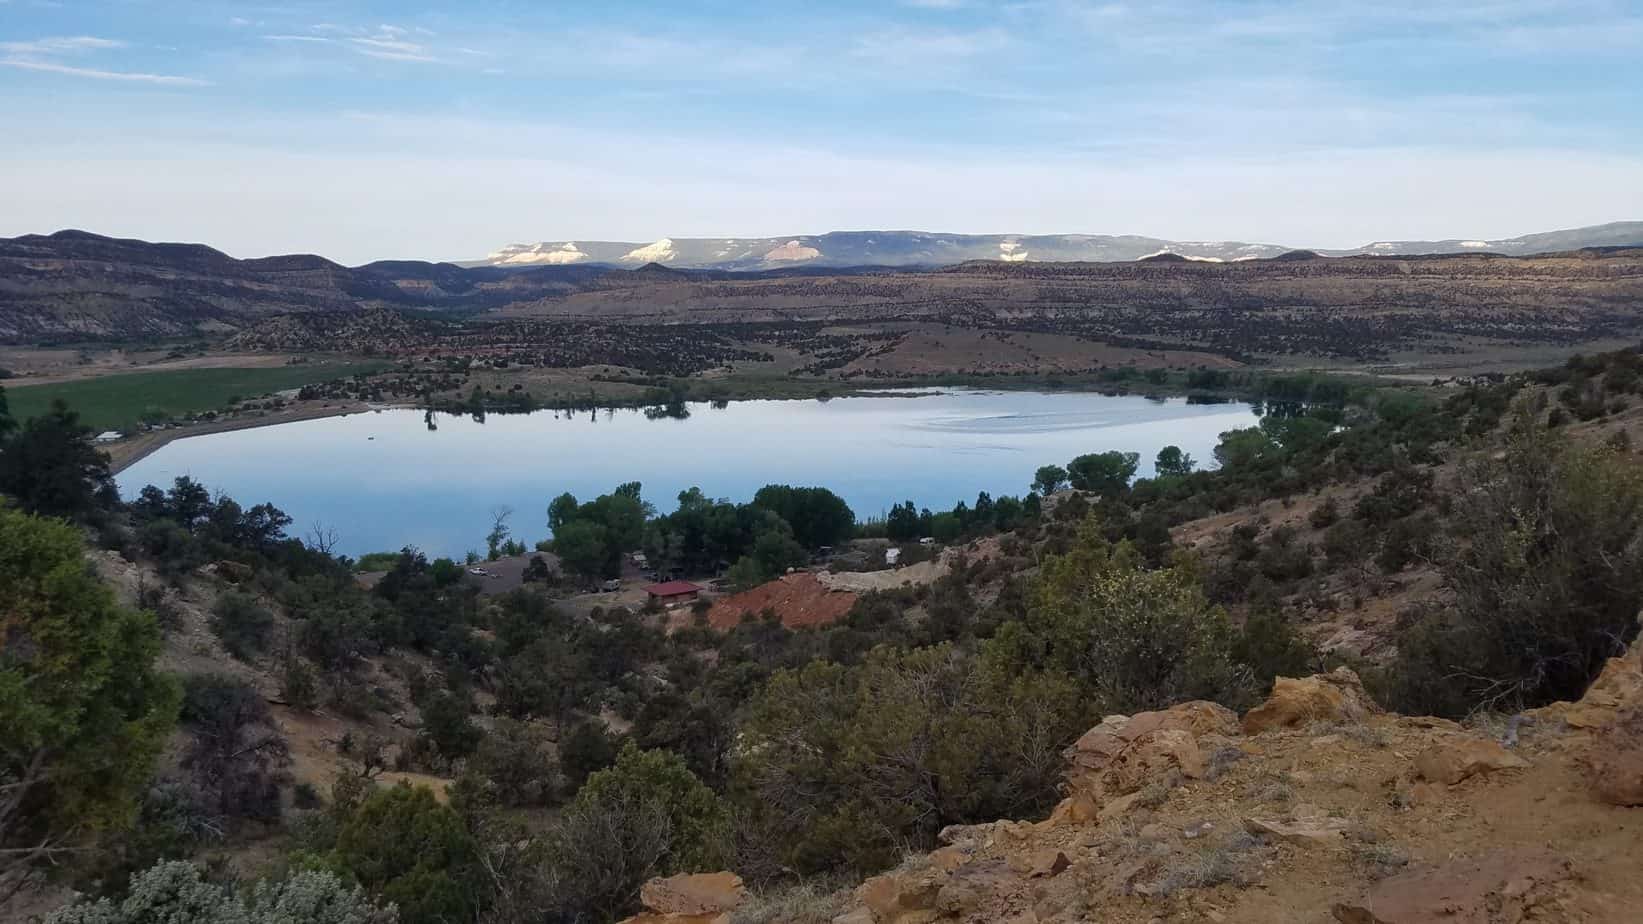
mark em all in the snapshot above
pixel 1136 639
pixel 176 892
pixel 241 624
pixel 1545 561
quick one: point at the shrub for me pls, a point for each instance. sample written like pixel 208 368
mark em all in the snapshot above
pixel 155 599
pixel 1546 565
pixel 517 760
pixel 241 624
pixel 407 848
pixel 1270 647
pixel 298 686
pixel 598 857
pixel 1325 514
pixel 583 752
pixel 842 768
pixel 235 750
pixel 644 816
pixel 1345 542
pixel 1284 557
pixel 175 892
pixel 305 796
pixel 1406 541
pixel 1134 639
pixel 83 713
pixel 697 822
pixel 1402 491
pixel 445 723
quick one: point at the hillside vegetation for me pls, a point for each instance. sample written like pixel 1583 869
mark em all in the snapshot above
pixel 293 741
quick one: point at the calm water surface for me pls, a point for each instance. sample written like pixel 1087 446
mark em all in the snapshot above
pixel 383 480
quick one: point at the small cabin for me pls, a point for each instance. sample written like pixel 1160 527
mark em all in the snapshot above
pixel 107 436
pixel 669 593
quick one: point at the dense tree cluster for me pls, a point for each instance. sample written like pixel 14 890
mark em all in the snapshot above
pixel 49 466
pixel 84 711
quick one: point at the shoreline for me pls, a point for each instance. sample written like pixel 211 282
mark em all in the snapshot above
pixel 125 453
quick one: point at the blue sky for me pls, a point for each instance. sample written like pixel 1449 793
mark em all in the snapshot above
pixel 368 130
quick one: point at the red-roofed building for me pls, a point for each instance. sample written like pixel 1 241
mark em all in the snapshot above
pixel 671 592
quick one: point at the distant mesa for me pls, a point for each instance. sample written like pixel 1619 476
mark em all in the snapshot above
pixel 538 254
pixel 933 249
pixel 1163 258
pixel 660 252
pixel 1298 255
pixel 792 252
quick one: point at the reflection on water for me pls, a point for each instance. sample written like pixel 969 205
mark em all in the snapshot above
pixel 391 478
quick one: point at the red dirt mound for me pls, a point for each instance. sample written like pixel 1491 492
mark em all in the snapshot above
pixel 799 599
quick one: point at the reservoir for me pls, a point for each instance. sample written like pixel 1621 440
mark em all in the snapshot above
pixel 383 480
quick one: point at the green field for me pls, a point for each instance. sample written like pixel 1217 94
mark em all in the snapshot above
pixel 120 400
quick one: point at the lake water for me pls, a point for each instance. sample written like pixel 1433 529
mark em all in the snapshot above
pixel 383 480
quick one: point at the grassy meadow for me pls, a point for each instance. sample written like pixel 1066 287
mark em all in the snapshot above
pixel 121 399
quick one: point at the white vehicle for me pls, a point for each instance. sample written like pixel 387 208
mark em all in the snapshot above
pixel 481 572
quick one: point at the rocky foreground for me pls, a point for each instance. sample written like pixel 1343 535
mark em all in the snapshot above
pixel 1317 805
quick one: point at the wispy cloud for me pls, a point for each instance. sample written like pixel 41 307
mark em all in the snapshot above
pixel 391 49
pixel 46 55
pixel 912 47
pixel 60 45
pixel 52 67
pixel 385 42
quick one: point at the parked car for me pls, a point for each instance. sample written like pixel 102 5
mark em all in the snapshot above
pixel 612 584
pixel 480 572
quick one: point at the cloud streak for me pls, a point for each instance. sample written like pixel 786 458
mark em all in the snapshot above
pixel 52 67
pixel 60 45
pixel 46 55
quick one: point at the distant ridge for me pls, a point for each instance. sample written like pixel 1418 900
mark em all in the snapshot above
pixel 923 248
pixel 74 285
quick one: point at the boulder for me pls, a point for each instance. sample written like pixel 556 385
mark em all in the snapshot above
pixel 1616 761
pixel 1119 807
pixel 1080 808
pixel 1125 752
pixel 1306 826
pixel 1505 887
pixel 1042 863
pixel 965 835
pixel 972 887
pixel 1453 761
pixel 694 894
pixel 1337 696
pixel 902 898
pixel 949 858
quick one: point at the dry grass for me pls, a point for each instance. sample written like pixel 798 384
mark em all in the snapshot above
pixel 1234 859
pixel 803 903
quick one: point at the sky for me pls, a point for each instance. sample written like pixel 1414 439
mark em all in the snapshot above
pixel 412 130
